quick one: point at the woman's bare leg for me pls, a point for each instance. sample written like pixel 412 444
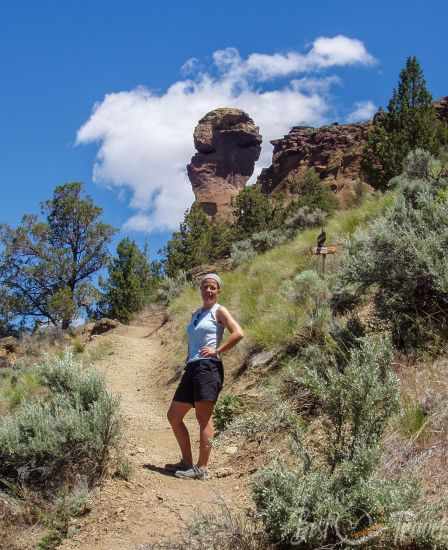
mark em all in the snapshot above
pixel 175 416
pixel 204 411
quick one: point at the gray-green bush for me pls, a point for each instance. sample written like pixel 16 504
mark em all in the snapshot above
pixel 171 287
pixel 328 499
pixel 304 217
pixel 70 429
pixel 401 257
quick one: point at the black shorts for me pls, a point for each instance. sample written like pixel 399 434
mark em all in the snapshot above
pixel 202 381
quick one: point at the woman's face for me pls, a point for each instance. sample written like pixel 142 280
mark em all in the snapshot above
pixel 209 291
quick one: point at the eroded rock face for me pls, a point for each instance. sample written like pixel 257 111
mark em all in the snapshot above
pixel 333 151
pixel 441 106
pixel 228 145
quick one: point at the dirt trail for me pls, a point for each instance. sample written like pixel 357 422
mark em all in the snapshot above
pixel 153 506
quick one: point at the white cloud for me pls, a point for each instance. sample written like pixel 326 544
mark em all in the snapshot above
pixel 364 110
pixel 146 139
pixel 325 52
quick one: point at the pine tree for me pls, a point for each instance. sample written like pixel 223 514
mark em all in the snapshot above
pixel 131 283
pixel 410 122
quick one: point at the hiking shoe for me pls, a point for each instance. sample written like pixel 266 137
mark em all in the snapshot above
pixel 195 472
pixel 177 466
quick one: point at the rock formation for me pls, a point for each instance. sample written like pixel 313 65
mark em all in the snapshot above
pixel 441 106
pixel 228 144
pixel 333 151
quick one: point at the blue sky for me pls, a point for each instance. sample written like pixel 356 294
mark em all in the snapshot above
pixel 60 59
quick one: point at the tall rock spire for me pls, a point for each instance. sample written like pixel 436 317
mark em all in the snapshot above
pixel 228 144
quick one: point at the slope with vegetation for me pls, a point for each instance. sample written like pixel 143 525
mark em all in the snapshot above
pixel 328 375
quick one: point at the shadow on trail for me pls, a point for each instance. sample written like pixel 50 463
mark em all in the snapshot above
pixel 158 470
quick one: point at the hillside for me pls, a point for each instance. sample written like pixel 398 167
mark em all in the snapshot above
pixel 142 362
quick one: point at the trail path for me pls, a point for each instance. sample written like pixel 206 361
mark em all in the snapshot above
pixel 153 506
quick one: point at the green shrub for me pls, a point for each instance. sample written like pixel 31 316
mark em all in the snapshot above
pixel 16 389
pixel 412 418
pixel 277 416
pixel 400 258
pixel 225 411
pixel 78 345
pixel 124 469
pixel 303 217
pixel 71 430
pixel 265 240
pixel 262 241
pixel 66 506
pixel 309 292
pixel 328 499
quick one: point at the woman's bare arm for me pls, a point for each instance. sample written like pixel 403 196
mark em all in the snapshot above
pixel 236 333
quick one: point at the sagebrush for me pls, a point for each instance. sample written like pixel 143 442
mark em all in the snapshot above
pixel 68 430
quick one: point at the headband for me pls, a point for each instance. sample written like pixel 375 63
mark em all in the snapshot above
pixel 213 276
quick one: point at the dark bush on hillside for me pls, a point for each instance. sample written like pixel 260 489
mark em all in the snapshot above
pixel 312 193
pixel 70 430
pixel 327 500
pixel 227 408
pixel 401 257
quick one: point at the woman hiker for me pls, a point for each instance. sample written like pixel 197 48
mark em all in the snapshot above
pixel 203 377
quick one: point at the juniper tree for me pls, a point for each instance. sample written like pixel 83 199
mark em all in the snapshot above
pixel 47 265
pixel 254 212
pixel 410 122
pixel 199 240
pixel 131 283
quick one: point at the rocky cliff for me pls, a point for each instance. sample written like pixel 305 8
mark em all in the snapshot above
pixel 228 144
pixel 333 151
pixel 441 106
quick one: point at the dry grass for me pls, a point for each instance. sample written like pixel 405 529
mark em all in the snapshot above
pixel 417 442
pixel 253 292
pixel 222 530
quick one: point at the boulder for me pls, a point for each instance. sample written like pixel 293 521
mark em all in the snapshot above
pixel 104 325
pixel 4 362
pixel 9 344
pixel 261 359
pixel 441 106
pixel 228 144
